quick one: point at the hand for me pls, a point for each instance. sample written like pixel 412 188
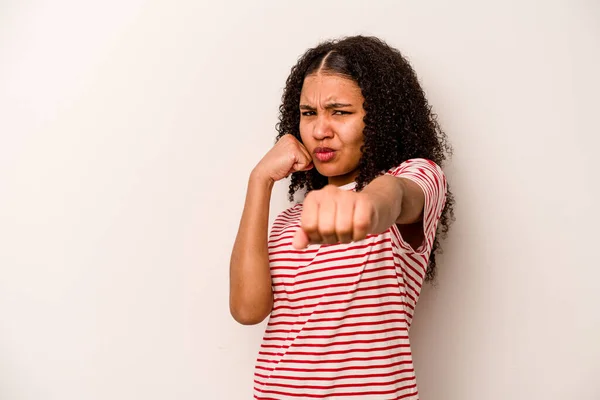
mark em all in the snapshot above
pixel 333 215
pixel 287 156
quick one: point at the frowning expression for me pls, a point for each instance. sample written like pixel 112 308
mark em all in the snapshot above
pixel 331 125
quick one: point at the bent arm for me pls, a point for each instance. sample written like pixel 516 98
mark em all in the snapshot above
pixel 250 290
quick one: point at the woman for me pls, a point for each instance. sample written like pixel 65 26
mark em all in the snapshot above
pixel 341 272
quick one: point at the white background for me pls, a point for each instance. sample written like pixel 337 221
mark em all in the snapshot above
pixel 128 129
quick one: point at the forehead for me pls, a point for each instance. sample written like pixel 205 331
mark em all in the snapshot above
pixel 327 87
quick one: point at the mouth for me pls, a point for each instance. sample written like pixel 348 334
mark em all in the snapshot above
pixel 324 154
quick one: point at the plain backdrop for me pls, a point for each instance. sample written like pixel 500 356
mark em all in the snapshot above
pixel 127 132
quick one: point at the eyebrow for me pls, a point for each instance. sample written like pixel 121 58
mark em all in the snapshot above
pixel 327 106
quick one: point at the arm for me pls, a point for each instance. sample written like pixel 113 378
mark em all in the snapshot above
pixel 250 292
pixel 331 215
pixel 411 195
pixel 396 200
pixel 422 202
pixel 250 286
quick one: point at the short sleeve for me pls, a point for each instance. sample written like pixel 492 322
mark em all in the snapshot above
pixel 431 179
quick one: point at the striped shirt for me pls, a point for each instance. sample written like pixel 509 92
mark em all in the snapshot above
pixel 341 313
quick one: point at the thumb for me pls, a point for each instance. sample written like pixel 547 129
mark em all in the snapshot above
pixel 300 240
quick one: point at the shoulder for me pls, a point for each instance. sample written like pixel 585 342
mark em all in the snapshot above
pixel 416 166
pixel 425 173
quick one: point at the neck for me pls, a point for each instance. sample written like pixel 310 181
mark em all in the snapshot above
pixel 342 180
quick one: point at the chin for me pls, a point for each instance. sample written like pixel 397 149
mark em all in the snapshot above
pixel 330 171
pixel 327 171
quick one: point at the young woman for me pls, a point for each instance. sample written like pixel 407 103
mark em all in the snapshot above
pixel 340 273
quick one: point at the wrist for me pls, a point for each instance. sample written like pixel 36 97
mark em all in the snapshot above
pixel 386 197
pixel 257 177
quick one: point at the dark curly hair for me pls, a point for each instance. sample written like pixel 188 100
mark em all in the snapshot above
pixel 399 123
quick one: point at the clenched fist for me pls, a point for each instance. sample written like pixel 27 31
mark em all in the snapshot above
pixel 287 156
pixel 332 215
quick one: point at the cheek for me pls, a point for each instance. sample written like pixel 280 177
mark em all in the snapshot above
pixel 354 133
pixel 356 140
pixel 304 132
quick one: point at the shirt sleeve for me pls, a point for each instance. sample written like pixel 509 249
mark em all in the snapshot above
pixel 431 179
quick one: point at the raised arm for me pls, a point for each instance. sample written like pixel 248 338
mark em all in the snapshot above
pixel 250 289
pixel 331 215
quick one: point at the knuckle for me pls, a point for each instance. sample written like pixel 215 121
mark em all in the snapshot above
pixel 344 230
pixel 308 225
pixel 357 237
pixel 343 224
pixel 315 235
pixel 362 223
pixel 327 230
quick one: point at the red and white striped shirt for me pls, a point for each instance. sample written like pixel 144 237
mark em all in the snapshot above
pixel 341 313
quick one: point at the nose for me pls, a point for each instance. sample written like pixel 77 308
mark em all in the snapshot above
pixel 322 128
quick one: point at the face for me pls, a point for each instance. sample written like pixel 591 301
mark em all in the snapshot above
pixel 331 125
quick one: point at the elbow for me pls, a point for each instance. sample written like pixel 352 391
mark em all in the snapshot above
pixel 247 315
pixel 248 319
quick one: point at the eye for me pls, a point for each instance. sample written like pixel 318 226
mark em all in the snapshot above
pixel 340 112
pixel 308 113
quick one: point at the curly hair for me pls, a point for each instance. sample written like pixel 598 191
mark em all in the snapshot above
pixel 399 123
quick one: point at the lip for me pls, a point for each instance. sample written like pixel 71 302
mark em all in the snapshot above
pixel 324 154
